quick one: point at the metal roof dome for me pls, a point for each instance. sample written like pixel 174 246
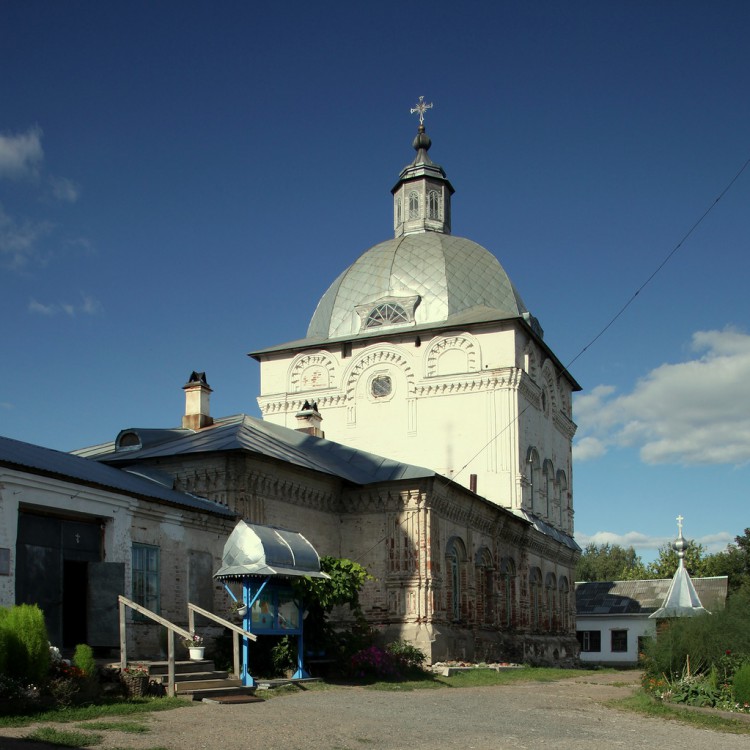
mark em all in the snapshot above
pixel 424 275
pixel 431 275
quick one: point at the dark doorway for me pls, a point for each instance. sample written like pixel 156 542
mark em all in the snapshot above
pixel 59 568
pixel 74 611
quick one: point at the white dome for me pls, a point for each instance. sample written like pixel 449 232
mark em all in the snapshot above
pixel 429 275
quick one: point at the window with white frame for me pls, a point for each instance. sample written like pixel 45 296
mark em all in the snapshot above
pixel 145 576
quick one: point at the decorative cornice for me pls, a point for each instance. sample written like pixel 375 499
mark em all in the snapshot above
pixel 506 378
pixel 283 404
pixel 565 425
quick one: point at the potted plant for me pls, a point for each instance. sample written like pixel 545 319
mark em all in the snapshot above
pixel 134 677
pixel 194 644
pixel 239 608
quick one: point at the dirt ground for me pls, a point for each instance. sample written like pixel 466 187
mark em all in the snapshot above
pixel 565 714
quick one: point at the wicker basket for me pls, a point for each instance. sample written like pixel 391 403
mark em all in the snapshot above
pixel 135 684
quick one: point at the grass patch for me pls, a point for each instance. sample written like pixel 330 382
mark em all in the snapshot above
pixel 85 713
pixel 294 688
pixel 642 703
pixel 65 738
pixel 484 678
pixel 131 727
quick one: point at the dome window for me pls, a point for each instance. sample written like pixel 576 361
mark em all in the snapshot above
pixel 413 205
pixel 433 205
pixel 387 314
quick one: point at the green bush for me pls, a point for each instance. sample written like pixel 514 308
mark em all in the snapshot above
pixel 409 657
pixel 284 656
pixel 26 646
pixel 741 683
pixel 83 658
pixel 4 641
pixel 721 639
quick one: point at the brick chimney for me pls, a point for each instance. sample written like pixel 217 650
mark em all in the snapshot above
pixel 197 397
pixel 309 419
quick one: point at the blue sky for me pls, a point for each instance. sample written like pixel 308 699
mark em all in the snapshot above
pixel 180 181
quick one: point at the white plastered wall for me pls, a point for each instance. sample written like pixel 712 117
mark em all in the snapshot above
pixel 462 402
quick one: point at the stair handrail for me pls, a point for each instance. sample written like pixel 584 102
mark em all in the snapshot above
pixel 237 631
pixel 171 630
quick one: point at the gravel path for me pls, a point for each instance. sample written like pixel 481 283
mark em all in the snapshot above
pixel 566 714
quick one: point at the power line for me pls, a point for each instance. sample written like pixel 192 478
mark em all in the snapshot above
pixel 627 304
pixel 660 266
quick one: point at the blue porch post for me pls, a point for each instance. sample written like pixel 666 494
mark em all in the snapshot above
pixel 301 673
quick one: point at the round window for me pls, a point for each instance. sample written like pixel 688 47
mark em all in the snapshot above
pixel 381 386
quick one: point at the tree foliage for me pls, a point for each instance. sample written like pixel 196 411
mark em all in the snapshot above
pixel 665 564
pixel 345 581
pixel 733 562
pixel 615 563
pixel 609 563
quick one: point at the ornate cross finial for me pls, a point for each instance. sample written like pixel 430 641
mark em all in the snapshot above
pixel 680 519
pixel 421 108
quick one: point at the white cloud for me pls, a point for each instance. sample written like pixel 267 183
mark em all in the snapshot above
pixel 64 189
pixel 40 309
pixel 588 447
pixel 6 405
pixel 635 539
pixel 90 306
pixel 19 241
pixel 641 542
pixel 21 155
pixel 87 306
pixel 693 412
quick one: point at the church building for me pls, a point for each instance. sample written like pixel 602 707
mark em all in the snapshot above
pixel 422 428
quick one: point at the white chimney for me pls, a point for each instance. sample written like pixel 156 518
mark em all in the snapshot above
pixel 197 398
pixel 309 419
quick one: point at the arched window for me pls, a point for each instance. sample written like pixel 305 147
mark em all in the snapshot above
pixel 535 597
pixel 549 486
pixel 533 468
pixel 386 314
pixel 564 598
pixel 455 557
pixel 413 205
pixel 507 591
pixel 550 594
pixel 485 578
pixel 433 204
pixel 398 210
pixel 562 489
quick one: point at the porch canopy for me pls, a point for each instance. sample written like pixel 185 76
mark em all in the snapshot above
pixel 263 559
pixel 254 550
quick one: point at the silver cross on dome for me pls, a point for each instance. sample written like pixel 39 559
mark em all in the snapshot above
pixel 421 108
pixel 680 519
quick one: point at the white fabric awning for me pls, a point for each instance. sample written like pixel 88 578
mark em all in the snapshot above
pixel 255 550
